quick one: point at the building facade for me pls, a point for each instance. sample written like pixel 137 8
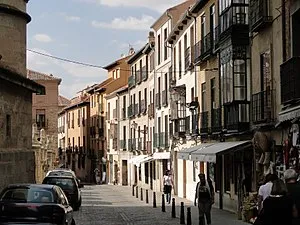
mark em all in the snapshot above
pixel 45 108
pixel 16 97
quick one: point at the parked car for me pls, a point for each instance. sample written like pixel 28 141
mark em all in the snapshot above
pixel 64 172
pixel 35 204
pixel 70 187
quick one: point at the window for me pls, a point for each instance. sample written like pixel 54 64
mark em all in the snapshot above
pixel 145 98
pixel 165 46
pixel 179 62
pixel 124 133
pixel 158 49
pixel 8 126
pixel 141 71
pixel 41 118
pixel 78 119
pixel 213 93
pixel 194 170
pixel 203 97
pixel 213 21
pixel 203 27
pixel 192 41
pixel 147 173
pixel 83 143
pixel 151 62
pixel 175 62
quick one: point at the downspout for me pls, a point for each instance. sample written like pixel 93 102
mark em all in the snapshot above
pixel 283 30
pixel 172 155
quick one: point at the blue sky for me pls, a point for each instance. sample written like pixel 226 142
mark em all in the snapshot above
pixel 91 31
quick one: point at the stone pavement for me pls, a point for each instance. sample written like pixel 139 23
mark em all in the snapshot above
pixel 115 205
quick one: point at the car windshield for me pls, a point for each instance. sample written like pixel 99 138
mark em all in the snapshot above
pixel 63 183
pixel 60 173
pixel 30 195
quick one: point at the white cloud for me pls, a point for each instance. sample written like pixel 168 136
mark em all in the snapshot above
pixel 73 18
pixel 43 38
pixel 157 5
pixel 74 77
pixel 136 45
pixel 130 23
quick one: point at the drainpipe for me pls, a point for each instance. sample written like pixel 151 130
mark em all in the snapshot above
pixel 283 30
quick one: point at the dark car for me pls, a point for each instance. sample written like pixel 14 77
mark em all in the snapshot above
pixel 70 187
pixel 35 204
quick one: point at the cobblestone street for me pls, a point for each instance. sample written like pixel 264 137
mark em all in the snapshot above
pixel 107 204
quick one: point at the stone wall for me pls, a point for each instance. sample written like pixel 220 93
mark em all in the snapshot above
pixel 16 155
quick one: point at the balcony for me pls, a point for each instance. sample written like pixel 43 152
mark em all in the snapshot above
pixel 130 111
pixel 203 48
pixel 216 124
pixel 123 144
pixel 151 110
pixel 144 73
pixel 157 100
pixel 115 144
pixel 115 115
pixel 187 59
pixel 132 144
pixel 236 117
pixel 138 76
pixel 101 132
pixel 259 14
pixel 204 122
pixel 234 24
pixel 164 96
pixel 263 107
pixel 141 146
pixel 143 107
pixel 131 81
pixel 123 113
pixel 137 109
pixel 161 141
pixel 149 147
pixel 290 80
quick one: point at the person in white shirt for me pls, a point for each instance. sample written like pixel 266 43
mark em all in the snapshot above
pixel 168 184
pixel 264 191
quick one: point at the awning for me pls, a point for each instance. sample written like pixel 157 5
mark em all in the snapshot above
pixel 185 153
pixel 135 159
pixel 161 155
pixel 146 159
pixel 208 154
pixel 289 114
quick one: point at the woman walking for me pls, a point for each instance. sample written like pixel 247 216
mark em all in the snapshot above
pixel 168 184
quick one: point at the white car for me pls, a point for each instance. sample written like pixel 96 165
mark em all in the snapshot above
pixel 64 172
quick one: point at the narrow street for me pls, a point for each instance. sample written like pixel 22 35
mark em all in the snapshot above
pixel 107 204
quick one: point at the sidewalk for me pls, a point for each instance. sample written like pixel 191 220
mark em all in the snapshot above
pixel 219 217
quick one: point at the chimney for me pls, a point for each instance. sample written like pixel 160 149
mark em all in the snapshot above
pixel 151 38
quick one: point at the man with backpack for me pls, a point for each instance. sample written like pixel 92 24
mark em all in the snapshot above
pixel 205 198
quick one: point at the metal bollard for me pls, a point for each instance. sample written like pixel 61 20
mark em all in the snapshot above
pixel 142 198
pixel 147 197
pixel 189 216
pixel 132 190
pixel 173 214
pixel 154 199
pixel 163 203
pixel 137 192
pixel 182 219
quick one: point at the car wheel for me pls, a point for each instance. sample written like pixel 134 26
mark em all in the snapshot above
pixel 73 222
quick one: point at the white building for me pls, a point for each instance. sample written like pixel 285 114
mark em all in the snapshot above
pixel 162 81
pixel 184 104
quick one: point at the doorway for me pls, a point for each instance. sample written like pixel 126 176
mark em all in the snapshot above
pixel 124 173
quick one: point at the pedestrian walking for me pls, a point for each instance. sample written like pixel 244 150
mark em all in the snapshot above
pixel 168 184
pixel 264 190
pixel 205 198
pixel 278 208
pixel 290 176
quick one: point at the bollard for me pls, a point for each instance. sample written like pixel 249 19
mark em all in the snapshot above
pixel 137 192
pixel 154 199
pixel 147 197
pixel 132 190
pixel 182 219
pixel 173 214
pixel 189 216
pixel 142 194
pixel 163 203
